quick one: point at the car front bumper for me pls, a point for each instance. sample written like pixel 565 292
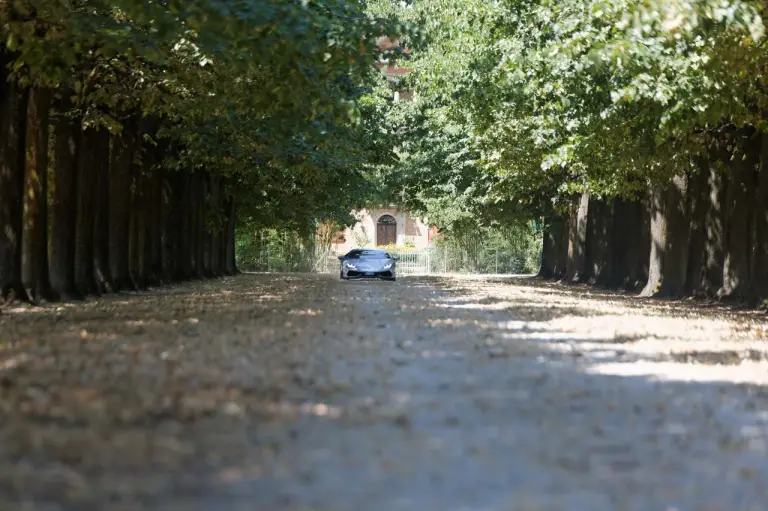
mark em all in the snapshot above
pixel 361 274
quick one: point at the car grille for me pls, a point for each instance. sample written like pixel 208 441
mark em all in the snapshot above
pixel 379 274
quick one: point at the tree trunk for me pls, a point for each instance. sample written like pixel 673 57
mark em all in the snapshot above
pixel 547 269
pixel 199 225
pixel 194 241
pixel 714 221
pixel 223 246
pixel 215 198
pixel 628 247
pixel 208 258
pixel 167 251
pixel 179 232
pixel 137 231
pixel 224 206
pixel 760 229
pixel 737 286
pixel 157 229
pixel 143 208
pixel 561 247
pixel 34 252
pixel 698 207
pixel 669 240
pixel 13 112
pixel 209 222
pixel 120 200
pixel 153 254
pixel 644 243
pixel 207 246
pixel 230 259
pixel 191 230
pixel 87 168
pixel 102 272
pixel 555 248
pixel 599 253
pixel 221 227
pixel 64 206
pixel 147 222
pixel 577 239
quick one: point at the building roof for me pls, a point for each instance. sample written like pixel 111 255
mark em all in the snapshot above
pixel 385 43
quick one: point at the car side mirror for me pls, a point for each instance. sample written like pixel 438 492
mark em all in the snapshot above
pixel 341 258
pixel 395 258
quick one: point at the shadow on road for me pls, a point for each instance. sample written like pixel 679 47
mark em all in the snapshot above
pixel 303 392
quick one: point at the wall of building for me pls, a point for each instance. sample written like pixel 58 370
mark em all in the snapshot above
pixel 410 231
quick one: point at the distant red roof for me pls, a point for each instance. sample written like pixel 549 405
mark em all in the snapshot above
pixel 386 43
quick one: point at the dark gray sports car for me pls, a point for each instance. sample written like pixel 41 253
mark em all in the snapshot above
pixel 368 264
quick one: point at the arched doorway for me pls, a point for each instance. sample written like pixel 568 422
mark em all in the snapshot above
pixel 386 231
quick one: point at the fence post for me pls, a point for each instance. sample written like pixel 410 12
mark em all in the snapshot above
pixel 497 261
pixel 429 261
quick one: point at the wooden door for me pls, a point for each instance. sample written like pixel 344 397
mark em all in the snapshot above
pixel 386 230
pixel 386 234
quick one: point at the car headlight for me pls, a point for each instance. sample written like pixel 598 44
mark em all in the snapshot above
pixel 350 265
pixel 388 265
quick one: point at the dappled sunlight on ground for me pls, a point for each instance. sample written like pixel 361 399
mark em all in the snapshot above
pixel 623 335
pixel 746 372
pixel 298 392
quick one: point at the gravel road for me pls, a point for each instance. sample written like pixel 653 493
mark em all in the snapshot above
pixel 304 393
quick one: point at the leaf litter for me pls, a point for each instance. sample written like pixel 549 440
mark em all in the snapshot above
pixel 299 392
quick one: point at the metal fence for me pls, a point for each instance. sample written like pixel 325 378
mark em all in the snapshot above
pixel 447 260
pixel 277 251
pixel 286 252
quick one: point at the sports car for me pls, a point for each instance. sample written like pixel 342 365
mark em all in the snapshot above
pixel 368 264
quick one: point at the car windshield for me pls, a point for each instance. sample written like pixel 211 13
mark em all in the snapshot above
pixel 368 254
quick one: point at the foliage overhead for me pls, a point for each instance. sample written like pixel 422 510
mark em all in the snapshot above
pixel 267 93
pixel 521 103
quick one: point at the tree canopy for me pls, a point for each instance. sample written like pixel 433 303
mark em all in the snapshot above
pixel 265 91
pixel 262 103
pixel 523 109
pixel 575 94
pixel 588 113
